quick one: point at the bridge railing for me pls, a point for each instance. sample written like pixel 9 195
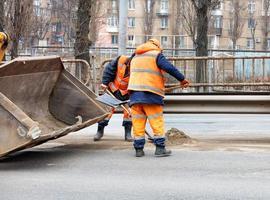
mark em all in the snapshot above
pixel 224 74
pixel 229 74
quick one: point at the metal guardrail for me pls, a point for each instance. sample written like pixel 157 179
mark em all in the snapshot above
pixel 211 103
pixel 230 104
pixel 74 66
pixel 247 66
pixel 223 73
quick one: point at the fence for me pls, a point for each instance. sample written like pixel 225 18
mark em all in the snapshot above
pixel 221 74
pixel 224 70
pixel 77 67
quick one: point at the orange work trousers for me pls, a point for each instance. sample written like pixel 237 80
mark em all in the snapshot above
pixel 154 114
pixel 126 116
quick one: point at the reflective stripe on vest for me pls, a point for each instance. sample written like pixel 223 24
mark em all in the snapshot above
pixel 148 71
pixel 120 82
pixel 147 54
pixel 145 74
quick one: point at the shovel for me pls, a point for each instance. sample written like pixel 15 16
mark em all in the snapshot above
pixel 109 99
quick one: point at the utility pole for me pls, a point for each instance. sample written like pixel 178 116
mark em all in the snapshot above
pixel 122 34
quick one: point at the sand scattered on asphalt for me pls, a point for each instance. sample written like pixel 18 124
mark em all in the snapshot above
pixel 177 137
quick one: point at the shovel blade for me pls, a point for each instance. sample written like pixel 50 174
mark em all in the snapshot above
pixel 109 100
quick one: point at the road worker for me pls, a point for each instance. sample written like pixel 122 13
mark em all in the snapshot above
pixel 4 40
pixel 115 78
pixel 146 87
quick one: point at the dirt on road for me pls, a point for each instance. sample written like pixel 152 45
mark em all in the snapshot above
pixel 176 140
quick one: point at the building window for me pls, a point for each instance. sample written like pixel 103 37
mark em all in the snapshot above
pixel 131 4
pixel 251 23
pixel 164 6
pixel 250 43
pixel 251 6
pixel 36 3
pixel 218 22
pixel 131 22
pixel 130 40
pixel 219 6
pixel 265 7
pixel 211 41
pixel 179 42
pixel 114 5
pixel 164 22
pixel 58 27
pixel 148 6
pixel 112 21
pixel 53 27
pixel 114 39
pixel 164 41
pixel 268 43
pixel 36 6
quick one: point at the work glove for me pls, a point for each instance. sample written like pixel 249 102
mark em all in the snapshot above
pixel 184 83
pixel 103 87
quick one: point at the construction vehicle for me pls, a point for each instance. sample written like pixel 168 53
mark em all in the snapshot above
pixel 41 101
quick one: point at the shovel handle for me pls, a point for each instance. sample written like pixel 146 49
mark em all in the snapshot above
pixel 122 106
pixel 129 112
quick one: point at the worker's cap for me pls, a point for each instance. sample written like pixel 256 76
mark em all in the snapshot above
pixel 155 42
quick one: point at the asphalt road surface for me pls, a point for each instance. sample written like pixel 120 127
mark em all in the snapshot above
pixel 204 125
pixel 75 167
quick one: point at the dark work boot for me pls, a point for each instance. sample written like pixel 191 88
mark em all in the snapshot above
pixel 139 152
pixel 99 133
pixel 128 136
pixel 161 151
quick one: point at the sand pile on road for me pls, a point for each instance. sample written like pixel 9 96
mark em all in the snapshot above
pixel 175 136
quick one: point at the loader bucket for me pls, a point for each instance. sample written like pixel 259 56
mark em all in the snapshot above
pixel 41 101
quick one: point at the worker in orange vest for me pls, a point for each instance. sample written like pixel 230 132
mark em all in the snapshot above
pixel 4 40
pixel 146 87
pixel 115 78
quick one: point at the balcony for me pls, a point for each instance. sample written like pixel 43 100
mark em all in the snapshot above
pixel 112 29
pixel 163 13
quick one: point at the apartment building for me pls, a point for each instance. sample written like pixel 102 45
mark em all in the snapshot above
pixel 246 22
pixel 56 19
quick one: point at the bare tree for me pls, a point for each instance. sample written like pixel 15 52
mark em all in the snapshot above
pixel 18 18
pixel 202 9
pixel 2 15
pixel 96 20
pixel 82 42
pixel 177 26
pixel 149 6
pixel 186 14
pixel 236 21
pixel 252 23
pixel 266 23
pixel 63 20
pixel 40 24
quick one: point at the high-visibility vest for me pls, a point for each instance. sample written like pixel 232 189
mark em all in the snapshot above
pixel 120 82
pixel 145 75
pixel 3 38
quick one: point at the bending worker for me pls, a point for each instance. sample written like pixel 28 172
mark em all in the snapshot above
pixel 4 40
pixel 146 86
pixel 115 78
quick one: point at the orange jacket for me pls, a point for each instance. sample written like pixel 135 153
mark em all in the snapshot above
pixel 120 82
pixel 145 75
